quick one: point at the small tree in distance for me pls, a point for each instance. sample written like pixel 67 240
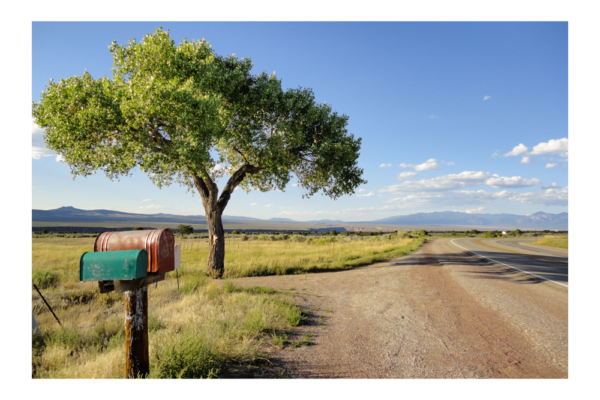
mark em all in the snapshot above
pixel 168 110
pixel 185 229
pixel 332 233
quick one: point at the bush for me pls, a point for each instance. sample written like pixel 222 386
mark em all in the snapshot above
pixel 403 234
pixel 234 232
pixel 44 278
pixel 344 234
pixel 138 228
pixel 333 233
pixel 244 238
pixel 188 356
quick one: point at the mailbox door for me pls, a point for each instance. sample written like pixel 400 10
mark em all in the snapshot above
pixel 158 242
pixel 113 265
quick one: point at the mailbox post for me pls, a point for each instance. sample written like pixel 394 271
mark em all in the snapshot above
pixel 129 267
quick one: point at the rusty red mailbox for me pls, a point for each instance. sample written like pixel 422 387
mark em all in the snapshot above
pixel 159 243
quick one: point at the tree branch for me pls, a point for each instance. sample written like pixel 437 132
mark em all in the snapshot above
pixel 234 181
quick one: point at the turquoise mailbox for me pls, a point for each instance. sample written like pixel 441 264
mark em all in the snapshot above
pixel 113 265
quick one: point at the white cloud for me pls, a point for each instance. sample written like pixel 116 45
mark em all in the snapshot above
pixel 450 163
pixel 38 152
pixel 486 98
pixel 385 165
pixel 253 204
pixel 550 165
pixel 477 210
pixel 60 158
pixel 428 165
pixel 553 185
pixel 360 190
pixel 525 160
pixel 549 197
pixel 551 147
pixel 152 207
pixel 370 194
pixel 269 205
pixel 498 182
pixel 406 175
pixel 403 165
pixel 520 149
pixel 440 183
pixel 297 184
pixel 146 200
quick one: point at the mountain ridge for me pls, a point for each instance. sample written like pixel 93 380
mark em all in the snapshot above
pixel 538 220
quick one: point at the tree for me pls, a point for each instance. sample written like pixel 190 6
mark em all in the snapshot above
pixel 187 115
pixel 185 229
pixel 138 228
pixel 518 232
pixel 474 232
pixel 332 232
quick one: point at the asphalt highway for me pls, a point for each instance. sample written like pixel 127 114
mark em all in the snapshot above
pixel 540 262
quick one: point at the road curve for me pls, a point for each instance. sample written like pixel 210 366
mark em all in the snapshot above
pixel 545 263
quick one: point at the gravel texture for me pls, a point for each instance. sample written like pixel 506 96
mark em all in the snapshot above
pixel 437 313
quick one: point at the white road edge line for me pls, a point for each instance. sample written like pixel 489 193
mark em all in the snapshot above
pixel 510 266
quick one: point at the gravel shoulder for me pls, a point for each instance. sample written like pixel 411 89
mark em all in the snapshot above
pixel 437 313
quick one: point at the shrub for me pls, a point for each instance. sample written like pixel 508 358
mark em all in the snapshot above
pixel 244 238
pixel 403 235
pixel 187 356
pixel 43 278
pixel 263 237
pixel 235 232
pixel 138 228
pixel 332 232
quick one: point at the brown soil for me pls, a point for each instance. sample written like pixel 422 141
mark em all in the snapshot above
pixel 437 313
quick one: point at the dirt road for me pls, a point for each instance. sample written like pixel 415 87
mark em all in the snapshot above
pixel 437 313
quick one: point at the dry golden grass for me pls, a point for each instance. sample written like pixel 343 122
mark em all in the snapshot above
pixel 554 241
pixel 220 321
pixel 193 332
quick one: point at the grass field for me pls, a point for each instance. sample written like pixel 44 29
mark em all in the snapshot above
pixel 203 329
pixel 554 241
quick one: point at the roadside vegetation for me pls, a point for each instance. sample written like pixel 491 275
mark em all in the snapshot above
pixel 194 333
pixel 554 241
pixel 205 328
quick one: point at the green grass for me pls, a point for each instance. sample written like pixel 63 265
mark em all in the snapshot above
pixel 553 241
pixel 194 332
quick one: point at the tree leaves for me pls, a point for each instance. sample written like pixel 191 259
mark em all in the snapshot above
pixel 167 107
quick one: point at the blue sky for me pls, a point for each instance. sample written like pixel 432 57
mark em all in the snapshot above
pixel 453 116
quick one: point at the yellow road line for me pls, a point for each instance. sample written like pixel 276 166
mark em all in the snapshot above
pixel 523 254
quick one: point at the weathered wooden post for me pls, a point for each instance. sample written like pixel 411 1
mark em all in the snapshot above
pixel 137 359
pixel 128 262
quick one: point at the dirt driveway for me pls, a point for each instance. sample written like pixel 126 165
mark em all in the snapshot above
pixel 437 313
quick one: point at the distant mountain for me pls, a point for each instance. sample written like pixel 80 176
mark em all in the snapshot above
pixel 72 214
pixel 540 220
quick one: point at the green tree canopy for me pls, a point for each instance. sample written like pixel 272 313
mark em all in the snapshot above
pixel 182 113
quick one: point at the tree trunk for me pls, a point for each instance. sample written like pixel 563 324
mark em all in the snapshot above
pixel 216 244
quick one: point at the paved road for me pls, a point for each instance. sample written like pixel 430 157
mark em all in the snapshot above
pixel 540 261
pixel 437 313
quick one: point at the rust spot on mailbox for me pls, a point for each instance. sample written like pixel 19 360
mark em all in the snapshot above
pixel 159 243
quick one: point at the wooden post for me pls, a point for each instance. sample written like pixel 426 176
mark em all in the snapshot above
pixel 137 360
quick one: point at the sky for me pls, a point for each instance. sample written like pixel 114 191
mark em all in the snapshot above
pixel 453 116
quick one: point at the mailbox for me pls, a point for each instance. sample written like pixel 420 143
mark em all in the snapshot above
pixel 159 243
pixel 113 265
